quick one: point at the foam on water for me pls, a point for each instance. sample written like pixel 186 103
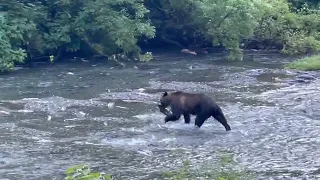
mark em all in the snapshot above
pixel 108 118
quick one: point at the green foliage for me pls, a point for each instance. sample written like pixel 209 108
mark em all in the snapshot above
pixel 231 21
pixel 118 23
pixel 32 30
pixel 300 3
pixel 304 36
pixel 223 170
pixel 297 32
pixel 51 58
pixel 220 22
pixel 311 63
pixel 83 172
pixel 14 32
pixel 181 174
pixel 146 57
pixel 228 23
pixel 44 28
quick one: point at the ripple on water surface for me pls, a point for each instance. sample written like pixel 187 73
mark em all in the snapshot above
pixel 275 129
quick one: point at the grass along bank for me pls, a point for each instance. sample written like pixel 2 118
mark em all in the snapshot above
pixel 311 63
pixel 221 170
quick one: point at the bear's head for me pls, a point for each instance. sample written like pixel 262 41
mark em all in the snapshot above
pixel 165 99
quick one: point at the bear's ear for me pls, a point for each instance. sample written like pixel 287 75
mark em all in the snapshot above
pixel 165 94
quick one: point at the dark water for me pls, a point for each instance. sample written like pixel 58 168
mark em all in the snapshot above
pixel 104 116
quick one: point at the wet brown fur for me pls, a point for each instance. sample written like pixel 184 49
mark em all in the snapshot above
pixel 183 103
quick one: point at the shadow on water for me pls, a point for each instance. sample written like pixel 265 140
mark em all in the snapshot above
pixel 54 117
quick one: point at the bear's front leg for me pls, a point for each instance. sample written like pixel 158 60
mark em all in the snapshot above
pixel 186 118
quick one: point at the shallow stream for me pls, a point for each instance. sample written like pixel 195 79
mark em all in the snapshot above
pixel 73 113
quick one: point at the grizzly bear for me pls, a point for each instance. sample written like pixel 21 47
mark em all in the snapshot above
pixel 183 103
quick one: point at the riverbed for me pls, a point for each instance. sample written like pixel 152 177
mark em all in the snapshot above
pixel 103 115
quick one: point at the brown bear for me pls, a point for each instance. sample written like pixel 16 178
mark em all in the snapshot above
pixel 183 103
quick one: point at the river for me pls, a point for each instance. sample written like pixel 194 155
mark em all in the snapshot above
pixel 53 117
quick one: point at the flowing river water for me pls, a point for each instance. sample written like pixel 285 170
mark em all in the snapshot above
pixel 106 116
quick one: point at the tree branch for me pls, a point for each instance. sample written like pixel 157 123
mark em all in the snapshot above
pixel 225 17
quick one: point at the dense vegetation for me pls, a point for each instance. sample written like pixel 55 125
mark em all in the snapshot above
pixel 46 30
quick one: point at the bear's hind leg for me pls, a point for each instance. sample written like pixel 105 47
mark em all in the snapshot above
pixel 220 117
pixel 186 117
pixel 201 118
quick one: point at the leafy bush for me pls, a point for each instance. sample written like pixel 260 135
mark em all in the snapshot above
pixel 296 33
pixel 14 32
